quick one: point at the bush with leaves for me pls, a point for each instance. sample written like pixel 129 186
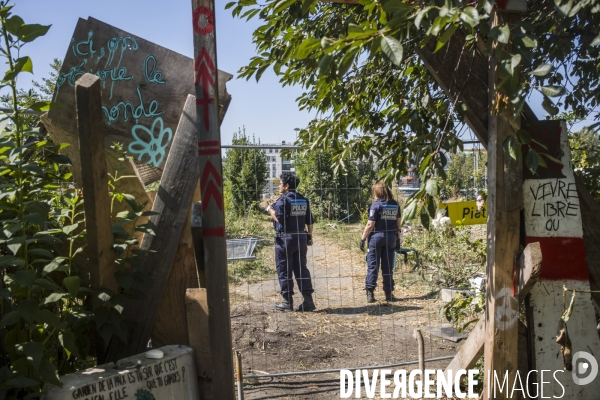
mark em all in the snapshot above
pixel 360 68
pixel 455 255
pixel 245 173
pixel 49 310
pixel 585 156
pixel 342 193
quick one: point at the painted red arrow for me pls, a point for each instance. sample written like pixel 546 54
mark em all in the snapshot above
pixel 211 190
pixel 205 69
pixel 209 170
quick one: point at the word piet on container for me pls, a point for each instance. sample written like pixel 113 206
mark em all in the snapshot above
pixel 400 385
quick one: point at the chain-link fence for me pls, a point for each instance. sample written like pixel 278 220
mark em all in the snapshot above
pixel 345 331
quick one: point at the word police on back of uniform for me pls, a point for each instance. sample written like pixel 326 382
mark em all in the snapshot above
pixel 389 213
pixel 299 208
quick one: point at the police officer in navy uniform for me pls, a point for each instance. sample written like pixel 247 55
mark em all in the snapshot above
pixel 291 216
pixel 382 231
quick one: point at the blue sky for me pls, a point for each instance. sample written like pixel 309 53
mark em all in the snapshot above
pixel 265 108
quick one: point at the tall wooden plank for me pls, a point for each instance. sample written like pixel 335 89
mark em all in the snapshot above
pixel 502 306
pixel 196 308
pixel 95 182
pixel 172 203
pixel 213 219
pixel 170 326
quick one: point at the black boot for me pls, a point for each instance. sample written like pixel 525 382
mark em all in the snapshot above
pixel 389 296
pixel 370 296
pixel 286 305
pixel 308 304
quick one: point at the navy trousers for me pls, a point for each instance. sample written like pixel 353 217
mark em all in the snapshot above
pixel 290 258
pixel 382 247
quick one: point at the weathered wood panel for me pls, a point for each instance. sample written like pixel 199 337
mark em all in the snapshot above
pixel 503 233
pixel 553 217
pixel 170 326
pixel 590 221
pixel 196 307
pixel 144 85
pixel 172 203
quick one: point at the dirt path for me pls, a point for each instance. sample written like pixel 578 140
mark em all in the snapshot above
pixel 343 332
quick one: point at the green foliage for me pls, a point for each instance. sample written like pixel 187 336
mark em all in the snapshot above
pixel 463 311
pixel 250 271
pixel 254 223
pixel 585 156
pixel 245 173
pixel 462 176
pixel 455 255
pixel 359 66
pixel 49 311
pixel 335 193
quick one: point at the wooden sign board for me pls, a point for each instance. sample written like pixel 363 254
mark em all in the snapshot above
pixel 144 88
pixel 553 218
pixel 465 211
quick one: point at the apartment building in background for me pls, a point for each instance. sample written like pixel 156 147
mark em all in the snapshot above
pixel 276 165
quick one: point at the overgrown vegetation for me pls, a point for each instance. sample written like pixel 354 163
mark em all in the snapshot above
pixel 360 68
pixel 454 255
pixel 245 173
pixel 334 193
pixel 465 176
pixel 49 309
pixel 585 156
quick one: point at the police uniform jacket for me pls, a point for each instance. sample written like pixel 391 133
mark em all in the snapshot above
pixel 293 211
pixel 385 213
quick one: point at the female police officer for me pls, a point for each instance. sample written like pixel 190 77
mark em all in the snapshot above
pixel 291 214
pixel 383 233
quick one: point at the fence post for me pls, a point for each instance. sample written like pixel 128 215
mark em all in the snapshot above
pixel 502 307
pixel 95 181
pixel 211 188
pixel 95 188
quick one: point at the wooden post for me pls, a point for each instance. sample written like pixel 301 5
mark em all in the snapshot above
pixel 198 242
pixel 95 182
pixel 211 187
pixel 530 264
pixel 420 349
pixel 502 307
pixel 172 203
pixel 196 307
pixel 170 325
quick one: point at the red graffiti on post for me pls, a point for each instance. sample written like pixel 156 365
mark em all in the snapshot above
pixel 208 148
pixel 211 187
pixel 209 24
pixel 204 68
